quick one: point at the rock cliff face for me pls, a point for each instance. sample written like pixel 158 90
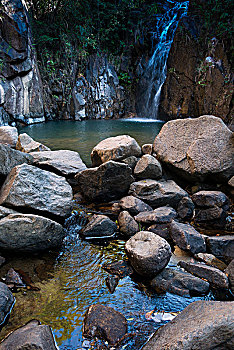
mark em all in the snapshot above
pixel 20 88
pixel 199 79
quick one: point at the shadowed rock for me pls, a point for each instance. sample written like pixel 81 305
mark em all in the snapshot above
pixel 134 205
pixel 6 302
pixel 127 225
pixel 99 226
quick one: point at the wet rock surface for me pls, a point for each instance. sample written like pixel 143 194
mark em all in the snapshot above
pixel 29 233
pixel 148 167
pixel 214 276
pixel 119 268
pixel 179 282
pixel 99 226
pixel 187 238
pixel 115 148
pixel 6 302
pixel 8 136
pixel 203 325
pixel 147 253
pixel 179 143
pixel 34 189
pixel 107 182
pixel 134 205
pixel 32 336
pixel 63 162
pixel 158 216
pixel 26 144
pixel 127 225
pixel 158 193
pixel 105 323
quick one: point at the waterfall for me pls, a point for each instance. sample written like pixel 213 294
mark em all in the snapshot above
pixel 154 76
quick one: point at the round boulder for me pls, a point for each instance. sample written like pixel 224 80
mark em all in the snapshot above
pixel 148 253
pixel 115 148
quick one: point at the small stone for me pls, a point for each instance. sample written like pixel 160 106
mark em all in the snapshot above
pixel 158 216
pixel 134 205
pixel 120 268
pixel 214 276
pixel 148 253
pixel 127 225
pixel 104 323
pixel 99 226
pixel 148 167
pixel 112 282
pixel 186 208
pixel 147 148
pixel 12 278
pixel 209 199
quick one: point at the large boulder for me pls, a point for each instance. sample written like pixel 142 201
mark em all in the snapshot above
pixel 148 167
pixel 109 181
pixel 6 302
pixel 158 193
pixel 148 253
pixel 115 148
pixel 214 276
pixel 9 158
pixel 158 216
pixel 134 205
pixel 26 144
pixel 32 336
pixel 179 282
pixel 33 189
pixel 8 136
pixel 105 323
pixel 62 162
pixel 187 238
pixel 203 325
pixel 99 226
pixel 198 148
pixel 29 233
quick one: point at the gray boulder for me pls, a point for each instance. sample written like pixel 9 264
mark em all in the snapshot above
pixel 221 246
pixel 203 325
pixel 32 336
pixel 8 136
pixel 179 282
pixel 127 225
pixel 134 205
pixel 214 276
pixel 115 148
pixel 158 216
pixel 99 226
pixel 26 144
pixel 62 162
pixel 148 167
pixel 180 142
pixel 187 238
pixel 158 193
pixel 29 233
pixel 105 323
pixel 209 199
pixel 148 253
pixel 6 302
pixel 30 188
pixel 107 182
pixel 9 158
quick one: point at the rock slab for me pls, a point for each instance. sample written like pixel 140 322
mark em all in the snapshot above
pixel 105 323
pixel 203 325
pixel 37 190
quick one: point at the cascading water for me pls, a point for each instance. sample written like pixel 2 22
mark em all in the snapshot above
pixel 154 76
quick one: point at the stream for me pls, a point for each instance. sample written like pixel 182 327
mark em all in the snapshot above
pixel 66 282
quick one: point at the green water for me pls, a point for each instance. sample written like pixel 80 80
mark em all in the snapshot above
pixel 83 136
pixel 72 279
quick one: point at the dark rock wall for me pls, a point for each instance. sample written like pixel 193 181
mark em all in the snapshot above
pixel 20 87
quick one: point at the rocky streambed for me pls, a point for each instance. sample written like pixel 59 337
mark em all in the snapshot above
pixel 120 247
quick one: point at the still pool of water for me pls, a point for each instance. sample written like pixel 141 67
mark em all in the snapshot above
pixel 72 279
pixel 83 136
